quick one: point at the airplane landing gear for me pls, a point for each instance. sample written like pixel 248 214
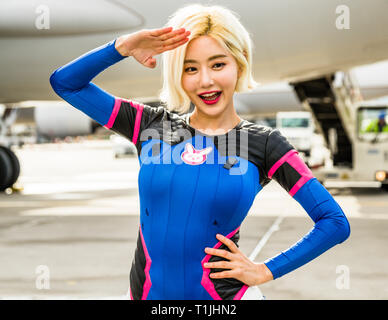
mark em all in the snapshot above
pixel 9 168
pixel 9 163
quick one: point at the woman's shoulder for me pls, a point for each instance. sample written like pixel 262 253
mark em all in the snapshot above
pixel 160 111
pixel 159 117
pixel 265 138
pixel 256 129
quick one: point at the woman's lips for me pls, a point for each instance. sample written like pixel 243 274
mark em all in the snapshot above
pixel 212 101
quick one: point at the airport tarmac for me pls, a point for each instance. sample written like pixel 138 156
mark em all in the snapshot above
pixel 71 232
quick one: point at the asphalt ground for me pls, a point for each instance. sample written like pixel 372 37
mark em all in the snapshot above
pixel 70 232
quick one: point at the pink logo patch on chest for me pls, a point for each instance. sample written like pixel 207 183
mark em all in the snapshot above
pixel 194 157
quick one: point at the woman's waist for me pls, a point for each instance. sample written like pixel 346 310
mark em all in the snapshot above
pixel 166 259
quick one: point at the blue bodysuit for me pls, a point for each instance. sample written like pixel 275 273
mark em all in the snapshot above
pixel 193 186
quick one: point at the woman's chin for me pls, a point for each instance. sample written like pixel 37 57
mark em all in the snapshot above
pixel 214 114
pixel 212 110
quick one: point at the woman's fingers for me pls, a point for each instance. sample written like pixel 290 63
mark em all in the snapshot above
pixel 177 38
pixel 151 63
pixel 219 265
pixel 219 253
pixel 224 253
pixel 236 265
pixel 167 39
pixel 175 45
pixel 171 34
pixel 223 274
pixel 159 32
pixel 229 243
pixel 166 33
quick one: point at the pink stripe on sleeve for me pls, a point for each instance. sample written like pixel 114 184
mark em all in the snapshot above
pixel 139 107
pixel 297 163
pixel 298 185
pixel 280 162
pixel 114 113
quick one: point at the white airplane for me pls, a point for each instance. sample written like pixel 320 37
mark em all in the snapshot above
pixel 301 43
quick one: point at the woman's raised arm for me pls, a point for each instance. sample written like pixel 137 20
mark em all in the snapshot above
pixel 72 82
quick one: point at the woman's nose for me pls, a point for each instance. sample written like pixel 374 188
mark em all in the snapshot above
pixel 206 79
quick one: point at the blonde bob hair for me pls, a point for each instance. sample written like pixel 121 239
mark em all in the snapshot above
pixel 219 23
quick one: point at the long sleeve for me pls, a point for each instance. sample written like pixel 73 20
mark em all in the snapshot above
pixel 331 226
pixel 72 82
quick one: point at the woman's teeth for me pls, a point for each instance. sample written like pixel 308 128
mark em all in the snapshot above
pixel 210 96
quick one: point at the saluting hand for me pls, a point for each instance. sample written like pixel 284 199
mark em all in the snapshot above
pixel 145 44
pixel 239 266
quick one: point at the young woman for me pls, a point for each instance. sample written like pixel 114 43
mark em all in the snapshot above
pixel 200 172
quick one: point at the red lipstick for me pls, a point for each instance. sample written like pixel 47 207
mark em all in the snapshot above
pixel 213 99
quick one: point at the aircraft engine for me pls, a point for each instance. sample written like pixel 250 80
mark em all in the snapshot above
pixel 61 121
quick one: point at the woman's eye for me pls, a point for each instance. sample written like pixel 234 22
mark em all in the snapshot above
pixel 188 69
pixel 220 64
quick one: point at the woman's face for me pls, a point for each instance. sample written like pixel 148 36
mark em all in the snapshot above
pixel 208 68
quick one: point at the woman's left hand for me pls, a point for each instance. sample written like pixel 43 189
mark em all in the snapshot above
pixel 240 267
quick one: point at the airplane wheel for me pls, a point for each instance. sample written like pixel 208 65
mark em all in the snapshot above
pixel 15 165
pixel 5 170
pixel 384 187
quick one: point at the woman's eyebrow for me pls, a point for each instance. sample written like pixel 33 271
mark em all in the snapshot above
pixel 211 58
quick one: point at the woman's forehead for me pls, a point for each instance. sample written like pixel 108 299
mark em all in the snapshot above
pixel 204 48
